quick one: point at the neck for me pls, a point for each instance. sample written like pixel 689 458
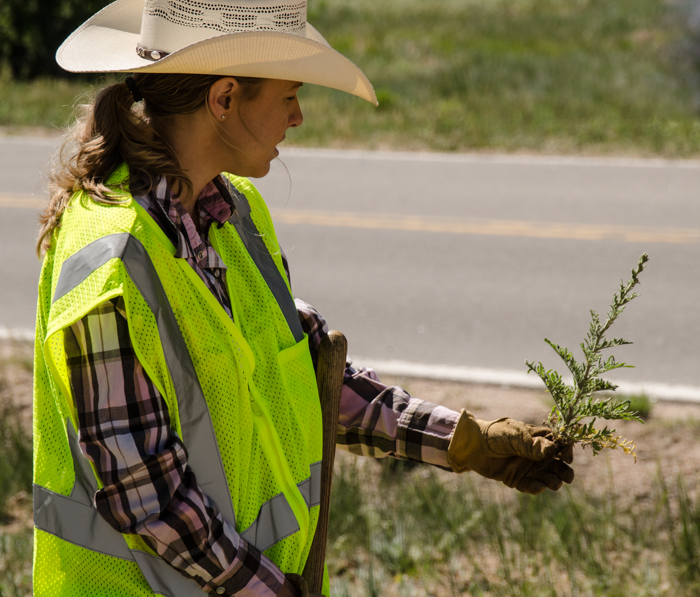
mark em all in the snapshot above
pixel 194 149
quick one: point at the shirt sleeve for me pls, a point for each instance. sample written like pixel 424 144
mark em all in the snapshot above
pixel 378 420
pixel 149 489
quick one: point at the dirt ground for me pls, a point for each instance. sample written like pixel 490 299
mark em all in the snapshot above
pixel 668 444
pixel 16 360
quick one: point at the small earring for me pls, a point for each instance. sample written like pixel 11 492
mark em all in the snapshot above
pixel 223 117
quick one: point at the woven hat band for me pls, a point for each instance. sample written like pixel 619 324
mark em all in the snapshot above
pixel 168 25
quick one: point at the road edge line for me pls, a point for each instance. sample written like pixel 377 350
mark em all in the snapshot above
pixel 24 334
pixel 437 156
pixel 519 379
pixel 488 158
pixel 477 375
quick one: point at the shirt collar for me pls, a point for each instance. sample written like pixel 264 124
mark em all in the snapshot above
pixel 214 205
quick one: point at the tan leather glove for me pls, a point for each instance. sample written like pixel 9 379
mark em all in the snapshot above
pixel 299 583
pixel 520 455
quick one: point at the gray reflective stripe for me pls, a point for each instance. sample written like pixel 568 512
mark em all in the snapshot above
pixel 77 523
pixel 252 239
pixel 82 525
pixel 315 484
pixel 86 528
pixel 74 518
pixel 276 520
pixel 80 265
pixel 85 484
pixel 241 207
pixel 311 488
pixel 163 579
pixel 197 429
pixel 203 454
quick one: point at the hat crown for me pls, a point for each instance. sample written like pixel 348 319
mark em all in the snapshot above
pixel 168 25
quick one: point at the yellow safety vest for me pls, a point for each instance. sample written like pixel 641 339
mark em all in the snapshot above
pixel 241 394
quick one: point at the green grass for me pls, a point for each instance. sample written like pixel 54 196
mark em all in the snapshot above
pixel 16 563
pixel 41 103
pixel 401 529
pixel 544 75
pixel 15 458
pixel 684 520
pixel 640 403
pixel 416 532
pixel 15 506
pixel 44 103
pixel 567 76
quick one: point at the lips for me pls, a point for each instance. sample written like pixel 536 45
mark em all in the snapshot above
pixel 277 151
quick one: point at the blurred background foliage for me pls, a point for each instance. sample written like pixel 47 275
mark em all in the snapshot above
pixel 551 76
pixel 32 30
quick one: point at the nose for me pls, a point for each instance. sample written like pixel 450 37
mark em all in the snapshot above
pixel 296 117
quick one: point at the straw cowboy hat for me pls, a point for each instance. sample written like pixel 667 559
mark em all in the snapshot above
pixel 249 38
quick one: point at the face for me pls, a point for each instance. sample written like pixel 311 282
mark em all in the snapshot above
pixel 254 127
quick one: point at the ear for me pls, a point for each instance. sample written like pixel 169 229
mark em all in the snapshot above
pixel 223 94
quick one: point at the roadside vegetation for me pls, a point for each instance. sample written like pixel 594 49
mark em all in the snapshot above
pixel 417 532
pixel 15 469
pixel 15 502
pixel 398 529
pixel 552 76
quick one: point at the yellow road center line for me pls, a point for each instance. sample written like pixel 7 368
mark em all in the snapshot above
pixel 486 227
pixel 483 227
pixel 23 201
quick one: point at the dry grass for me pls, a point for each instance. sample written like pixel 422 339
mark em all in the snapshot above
pixel 620 529
pixel 15 469
pixel 399 529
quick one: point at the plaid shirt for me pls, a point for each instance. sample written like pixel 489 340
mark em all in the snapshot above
pixel 124 425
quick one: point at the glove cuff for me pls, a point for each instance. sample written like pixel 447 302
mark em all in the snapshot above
pixel 466 441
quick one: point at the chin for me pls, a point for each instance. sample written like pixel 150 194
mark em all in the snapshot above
pixel 259 172
pixel 251 170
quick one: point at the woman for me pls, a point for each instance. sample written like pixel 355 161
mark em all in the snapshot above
pixel 177 425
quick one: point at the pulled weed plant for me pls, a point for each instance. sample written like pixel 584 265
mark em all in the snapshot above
pixel 576 406
pixel 419 532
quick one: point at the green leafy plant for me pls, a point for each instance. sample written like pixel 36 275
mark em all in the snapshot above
pixel 576 409
pixel 641 403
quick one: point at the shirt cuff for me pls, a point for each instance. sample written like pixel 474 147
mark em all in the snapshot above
pixel 251 574
pixel 425 431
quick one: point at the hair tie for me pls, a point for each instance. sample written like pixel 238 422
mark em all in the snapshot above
pixel 131 84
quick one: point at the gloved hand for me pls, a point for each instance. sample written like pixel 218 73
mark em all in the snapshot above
pixel 300 585
pixel 520 455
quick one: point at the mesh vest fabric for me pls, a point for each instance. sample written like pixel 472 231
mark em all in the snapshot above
pixel 258 382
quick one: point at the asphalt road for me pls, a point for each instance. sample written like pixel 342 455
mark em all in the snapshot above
pixel 455 260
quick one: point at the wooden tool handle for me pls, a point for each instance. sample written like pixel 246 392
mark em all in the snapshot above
pixel 329 376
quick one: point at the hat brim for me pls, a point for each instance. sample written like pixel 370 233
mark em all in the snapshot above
pixel 107 43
